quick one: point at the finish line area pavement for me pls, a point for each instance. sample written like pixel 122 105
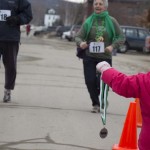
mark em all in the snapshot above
pixel 50 108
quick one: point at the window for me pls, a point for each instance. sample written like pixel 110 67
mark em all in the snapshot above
pixel 123 30
pixel 142 33
pixel 131 32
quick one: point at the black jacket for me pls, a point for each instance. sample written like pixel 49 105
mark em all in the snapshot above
pixel 21 9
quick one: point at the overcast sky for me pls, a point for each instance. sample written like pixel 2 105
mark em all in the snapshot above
pixel 78 1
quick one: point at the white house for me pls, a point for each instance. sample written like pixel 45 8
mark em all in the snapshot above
pixel 50 17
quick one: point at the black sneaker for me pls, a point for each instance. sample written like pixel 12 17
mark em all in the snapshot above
pixel 7 96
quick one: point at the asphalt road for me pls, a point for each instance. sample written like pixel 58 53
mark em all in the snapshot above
pixel 50 108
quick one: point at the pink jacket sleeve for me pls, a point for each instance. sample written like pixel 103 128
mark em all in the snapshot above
pixel 127 86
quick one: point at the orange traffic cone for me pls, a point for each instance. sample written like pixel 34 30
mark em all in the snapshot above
pixel 138 113
pixel 128 140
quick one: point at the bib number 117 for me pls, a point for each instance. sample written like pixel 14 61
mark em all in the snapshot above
pixel 96 47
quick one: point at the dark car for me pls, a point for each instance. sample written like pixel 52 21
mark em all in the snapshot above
pixel 40 31
pixel 61 29
pixel 135 38
pixel 44 30
pixel 74 29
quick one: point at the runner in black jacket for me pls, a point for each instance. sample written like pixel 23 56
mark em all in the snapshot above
pixel 13 13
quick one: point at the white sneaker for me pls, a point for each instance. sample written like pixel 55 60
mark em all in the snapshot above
pixel 95 109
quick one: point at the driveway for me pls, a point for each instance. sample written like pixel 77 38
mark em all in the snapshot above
pixel 50 107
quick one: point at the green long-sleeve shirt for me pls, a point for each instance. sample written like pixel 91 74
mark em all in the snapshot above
pixel 120 38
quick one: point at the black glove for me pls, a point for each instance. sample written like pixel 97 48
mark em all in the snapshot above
pixel 13 20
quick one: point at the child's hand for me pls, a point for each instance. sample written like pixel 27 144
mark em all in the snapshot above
pixel 102 66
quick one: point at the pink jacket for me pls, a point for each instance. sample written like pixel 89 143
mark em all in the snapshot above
pixel 136 86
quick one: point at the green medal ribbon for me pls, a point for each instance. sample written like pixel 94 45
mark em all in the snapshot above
pixel 103 100
pixel 100 30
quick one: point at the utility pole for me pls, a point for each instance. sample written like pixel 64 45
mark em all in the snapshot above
pixel 89 7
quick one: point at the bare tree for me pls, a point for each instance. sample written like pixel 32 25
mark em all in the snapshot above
pixel 129 12
pixel 143 18
pixel 38 9
pixel 148 16
pixel 71 13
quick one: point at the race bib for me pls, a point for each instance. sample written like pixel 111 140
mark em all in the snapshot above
pixel 96 47
pixel 4 14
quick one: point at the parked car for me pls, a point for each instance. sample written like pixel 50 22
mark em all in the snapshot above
pixel 44 30
pixel 74 29
pixel 61 29
pixel 135 38
pixel 66 35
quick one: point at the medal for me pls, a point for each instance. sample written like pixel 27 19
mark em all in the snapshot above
pixel 103 106
pixel 100 31
pixel 100 39
pixel 103 133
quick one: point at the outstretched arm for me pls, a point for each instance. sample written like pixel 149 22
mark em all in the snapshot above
pixel 127 86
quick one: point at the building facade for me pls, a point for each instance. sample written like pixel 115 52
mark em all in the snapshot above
pixel 50 18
